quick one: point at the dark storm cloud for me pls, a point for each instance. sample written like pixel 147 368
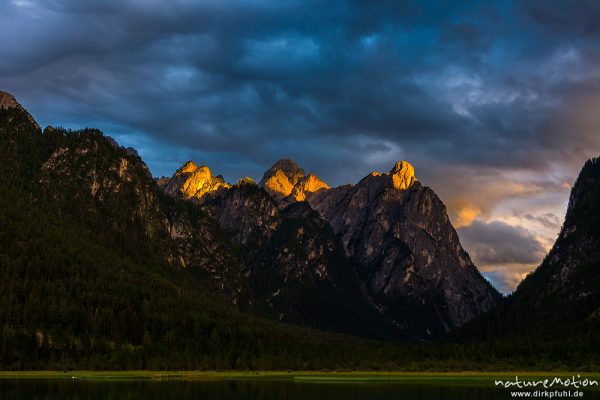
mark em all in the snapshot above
pixel 496 242
pixel 503 253
pixel 480 95
pixel 216 76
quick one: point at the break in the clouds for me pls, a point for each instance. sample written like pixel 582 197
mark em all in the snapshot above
pixel 503 252
pixel 495 103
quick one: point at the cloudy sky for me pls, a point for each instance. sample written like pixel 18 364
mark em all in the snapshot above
pixel 497 104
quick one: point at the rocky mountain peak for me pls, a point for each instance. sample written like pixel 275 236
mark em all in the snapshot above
pixel 194 181
pixel 289 168
pixel 286 180
pixel 411 262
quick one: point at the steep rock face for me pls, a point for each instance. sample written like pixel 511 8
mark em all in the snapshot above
pixel 411 261
pixel 92 178
pixel 193 181
pixel 201 247
pixel 286 181
pixel 302 275
pixel 247 212
pixel 87 171
pixel 293 263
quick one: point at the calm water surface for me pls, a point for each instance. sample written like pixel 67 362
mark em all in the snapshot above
pixel 20 389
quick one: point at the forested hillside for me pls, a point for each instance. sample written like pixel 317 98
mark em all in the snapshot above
pixel 101 270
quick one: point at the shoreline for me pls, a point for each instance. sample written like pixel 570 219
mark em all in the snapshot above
pixel 390 377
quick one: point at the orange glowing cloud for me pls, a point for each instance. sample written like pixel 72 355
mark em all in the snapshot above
pixel 465 216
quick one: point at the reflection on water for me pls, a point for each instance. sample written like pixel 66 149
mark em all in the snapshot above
pixel 60 389
pixel 223 390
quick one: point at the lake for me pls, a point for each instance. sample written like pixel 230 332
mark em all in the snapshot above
pixel 50 389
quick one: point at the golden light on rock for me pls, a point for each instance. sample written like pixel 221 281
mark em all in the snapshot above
pixel 400 177
pixel 403 175
pixel 286 179
pixel 196 181
pixel 307 184
pixel 188 167
pixel 280 183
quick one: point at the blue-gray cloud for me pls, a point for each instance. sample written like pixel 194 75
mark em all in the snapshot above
pixel 464 90
pixel 477 84
pixel 503 252
pixel 496 242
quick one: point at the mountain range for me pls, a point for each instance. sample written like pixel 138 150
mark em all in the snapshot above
pixel 103 264
pixel 377 256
